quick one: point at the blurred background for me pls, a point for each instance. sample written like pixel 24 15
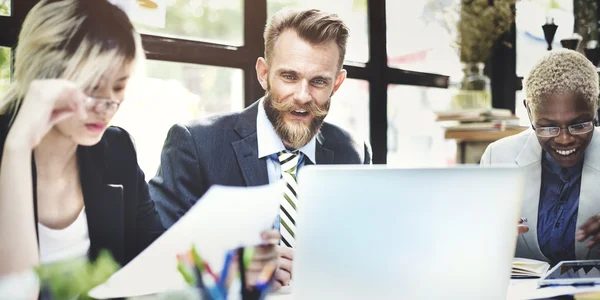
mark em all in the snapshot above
pixel 414 90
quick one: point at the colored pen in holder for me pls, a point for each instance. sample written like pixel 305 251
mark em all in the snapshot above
pixel 199 274
pixel 260 290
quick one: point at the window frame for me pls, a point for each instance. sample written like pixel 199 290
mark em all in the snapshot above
pixel 376 70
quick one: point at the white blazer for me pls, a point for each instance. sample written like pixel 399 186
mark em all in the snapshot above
pixel 525 151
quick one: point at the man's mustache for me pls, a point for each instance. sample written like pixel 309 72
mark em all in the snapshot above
pixel 311 107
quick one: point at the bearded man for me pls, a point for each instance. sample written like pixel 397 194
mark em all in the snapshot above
pixel 273 138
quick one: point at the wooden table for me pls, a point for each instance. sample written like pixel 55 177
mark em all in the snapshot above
pixel 477 140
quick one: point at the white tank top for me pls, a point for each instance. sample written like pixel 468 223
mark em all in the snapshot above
pixel 61 244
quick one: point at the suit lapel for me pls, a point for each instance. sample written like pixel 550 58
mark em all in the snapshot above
pixel 323 155
pixel 588 195
pixel 254 170
pixel 104 206
pixel 530 159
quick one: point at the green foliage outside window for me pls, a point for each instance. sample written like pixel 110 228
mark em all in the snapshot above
pixel 4 7
pixel 4 68
pixel 202 20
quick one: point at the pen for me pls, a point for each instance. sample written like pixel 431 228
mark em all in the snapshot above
pixel 265 276
pixel 211 287
pixel 185 267
pixel 242 273
pixel 225 272
pixel 524 277
pixel 575 284
pixel 199 261
pixel 206 278
pixel 210 272
pixel 248 256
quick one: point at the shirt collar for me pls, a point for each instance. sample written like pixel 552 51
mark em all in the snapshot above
pixel 565 174
pixel 270 143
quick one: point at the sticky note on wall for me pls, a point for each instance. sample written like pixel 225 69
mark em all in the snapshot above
pixel 146 12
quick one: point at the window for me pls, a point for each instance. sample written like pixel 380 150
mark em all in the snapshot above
pixel 174 93
pixel 192 78
pixel 414 138
pixel 5 7
pixel 5 72
pixel 352 12
pixel 217 21
pixel 350 108
pixel 531 15
pixel 420 36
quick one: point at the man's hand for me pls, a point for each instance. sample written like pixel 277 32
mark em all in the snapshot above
pixel 283 274
pixel 264 255
pixel 522 228
pixel 590 229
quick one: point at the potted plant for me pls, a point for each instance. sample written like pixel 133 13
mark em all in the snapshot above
pixel 480 25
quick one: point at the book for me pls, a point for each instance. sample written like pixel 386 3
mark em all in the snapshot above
pixel 484 126
pixel 475 115
pixel 524 267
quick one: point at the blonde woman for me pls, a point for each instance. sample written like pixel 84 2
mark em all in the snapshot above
pixel 69 184
pixel 560 158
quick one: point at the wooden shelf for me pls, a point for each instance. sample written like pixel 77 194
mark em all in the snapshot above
pixel 482 135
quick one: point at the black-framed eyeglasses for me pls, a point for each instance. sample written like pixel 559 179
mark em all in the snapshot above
pixel 575 129
pixel 102 105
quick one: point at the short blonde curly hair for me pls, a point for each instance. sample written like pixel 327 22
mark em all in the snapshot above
pixel 562 71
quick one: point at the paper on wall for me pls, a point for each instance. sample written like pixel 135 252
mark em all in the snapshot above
pixel 147 12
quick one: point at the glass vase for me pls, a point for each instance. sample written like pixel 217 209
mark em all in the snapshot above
pixel 473 90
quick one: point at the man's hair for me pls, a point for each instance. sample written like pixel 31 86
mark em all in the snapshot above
pixel 313 26
pixel 562 71
pixel 77 40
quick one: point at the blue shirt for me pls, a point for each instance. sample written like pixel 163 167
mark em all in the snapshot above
pixel 557 211
pixel 269 144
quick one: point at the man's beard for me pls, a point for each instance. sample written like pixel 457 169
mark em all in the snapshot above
pixel 294 134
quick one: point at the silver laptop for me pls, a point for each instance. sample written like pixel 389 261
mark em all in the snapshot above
pixel 367 232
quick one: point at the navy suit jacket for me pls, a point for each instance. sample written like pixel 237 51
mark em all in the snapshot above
pixel 121 220
pixel 223 150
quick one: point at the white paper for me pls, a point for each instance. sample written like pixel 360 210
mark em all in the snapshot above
pixel 147 12
pixel 224 218
pixel 524 266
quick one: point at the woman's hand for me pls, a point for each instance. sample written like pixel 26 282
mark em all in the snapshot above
pixel 589 229
pixel 521 227
pixel 47 102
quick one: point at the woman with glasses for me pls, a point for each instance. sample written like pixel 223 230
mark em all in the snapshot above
pixel 70 185
pixel 560 158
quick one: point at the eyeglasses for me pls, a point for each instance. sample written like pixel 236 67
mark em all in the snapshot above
pixel 102 105
pixel 575 129
pixel 548 132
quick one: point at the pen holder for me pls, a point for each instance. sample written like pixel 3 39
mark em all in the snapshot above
pixel 232 278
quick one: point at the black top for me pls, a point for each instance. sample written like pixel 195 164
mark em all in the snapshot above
pixel 121 220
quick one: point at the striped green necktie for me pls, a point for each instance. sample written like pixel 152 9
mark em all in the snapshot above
pixel 287 209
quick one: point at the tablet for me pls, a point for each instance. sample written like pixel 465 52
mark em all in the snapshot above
pixel 573 272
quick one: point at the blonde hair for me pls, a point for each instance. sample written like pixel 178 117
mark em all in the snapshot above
pixel 77 40
pixel 562 71
pixel 313 26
